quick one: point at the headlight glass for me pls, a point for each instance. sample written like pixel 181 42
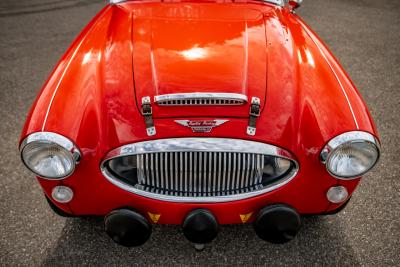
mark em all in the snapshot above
pixel 49 155
pixel 351 155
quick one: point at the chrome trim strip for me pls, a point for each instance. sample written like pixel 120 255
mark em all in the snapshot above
pixel 200 96
pixel 194 145
pixel 50 137
pixel 113 2
pixel 344 138
pixel 276 2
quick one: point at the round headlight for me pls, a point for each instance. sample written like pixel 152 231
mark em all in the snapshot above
pixel 350 155
pixel 49 155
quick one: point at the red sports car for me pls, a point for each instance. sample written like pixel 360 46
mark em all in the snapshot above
pixel 198 113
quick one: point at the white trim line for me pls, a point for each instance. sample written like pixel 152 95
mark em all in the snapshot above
pixel 340 83
pixel 246 59
pixel 154 70
pixel 58 84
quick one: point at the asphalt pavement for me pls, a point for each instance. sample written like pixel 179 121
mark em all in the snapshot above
pixel 363 34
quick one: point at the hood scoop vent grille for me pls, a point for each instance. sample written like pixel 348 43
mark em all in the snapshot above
pixel 201 99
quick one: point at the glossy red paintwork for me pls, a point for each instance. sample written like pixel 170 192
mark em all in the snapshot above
pixel 145 48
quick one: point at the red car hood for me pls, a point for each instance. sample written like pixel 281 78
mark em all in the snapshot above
pixel 139 49
pixel 198 48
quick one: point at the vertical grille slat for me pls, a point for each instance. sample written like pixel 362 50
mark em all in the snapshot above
pixel 200 173
pixel 166 171
pixel 251 170
pixel 162 160
pixel 148 163
pixel 171 171
pixel 157 179
pixel 142 169
pixel 209 173
pixel 192 172
pixel 139 170
pixel 195 179
pixel 177 171
pixel 186 182
pixel 233 179
pixel 214 173
pixel 259 168
pixel 181 172
pixel 205 174
pixel 225 173
pixel 239 171
pixel 257 161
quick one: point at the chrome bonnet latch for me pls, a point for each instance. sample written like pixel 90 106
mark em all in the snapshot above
pixel 254 114
pixel 147 112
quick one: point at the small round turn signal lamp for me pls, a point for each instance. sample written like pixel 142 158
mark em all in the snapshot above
pixel 62 194
pixel 337 194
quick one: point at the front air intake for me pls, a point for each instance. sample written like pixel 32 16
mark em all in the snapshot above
pixel 199 169
pixel 199 99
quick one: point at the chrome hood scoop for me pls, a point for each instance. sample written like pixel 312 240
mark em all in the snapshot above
pixel 200 99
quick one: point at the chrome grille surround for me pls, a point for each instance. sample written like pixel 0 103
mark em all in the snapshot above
pixel 167 169
pixel 201 99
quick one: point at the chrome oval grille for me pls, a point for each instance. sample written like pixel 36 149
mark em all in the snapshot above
pixel 198 169
pixel 193 174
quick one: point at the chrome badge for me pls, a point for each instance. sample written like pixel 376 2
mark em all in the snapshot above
pixel 200 126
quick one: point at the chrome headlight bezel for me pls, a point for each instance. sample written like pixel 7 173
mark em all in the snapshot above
pixel 348 138
pixel 57 140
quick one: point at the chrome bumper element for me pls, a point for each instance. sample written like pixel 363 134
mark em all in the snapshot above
pixel 197 169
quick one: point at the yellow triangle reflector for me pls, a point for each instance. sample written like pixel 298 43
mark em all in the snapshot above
pixel 245 217
pixel 154 217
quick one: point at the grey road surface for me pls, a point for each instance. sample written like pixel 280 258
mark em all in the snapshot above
pixel 363 34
